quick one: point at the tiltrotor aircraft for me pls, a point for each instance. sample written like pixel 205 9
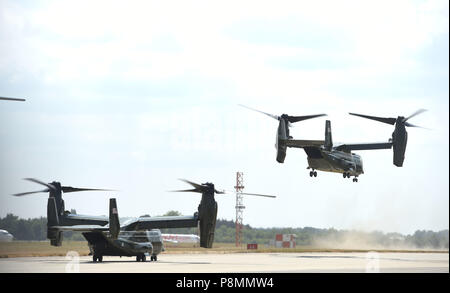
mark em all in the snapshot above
pixel 324 156
pixel 113 239
pixel 137 236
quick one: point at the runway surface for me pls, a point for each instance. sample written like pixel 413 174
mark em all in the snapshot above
pixel 237 263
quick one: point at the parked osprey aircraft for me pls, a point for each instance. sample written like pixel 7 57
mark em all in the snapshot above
pixel 323 156
pixel 113 239
pixel 136 236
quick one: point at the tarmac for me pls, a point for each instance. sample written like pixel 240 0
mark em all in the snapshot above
pixel 326 262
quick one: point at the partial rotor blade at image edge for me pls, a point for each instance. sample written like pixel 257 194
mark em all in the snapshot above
pixel 12 99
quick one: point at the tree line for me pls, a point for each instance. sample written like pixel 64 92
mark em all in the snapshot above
pixel 36 230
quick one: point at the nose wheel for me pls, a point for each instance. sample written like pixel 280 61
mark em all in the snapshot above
pixel 312 173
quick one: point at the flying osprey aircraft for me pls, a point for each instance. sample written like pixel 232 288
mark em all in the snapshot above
pixel 324 156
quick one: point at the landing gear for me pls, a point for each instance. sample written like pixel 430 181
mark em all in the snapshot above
pixel 96 258
pixel 347 175
pixel 141 257
pixel 312 173
pixel 153 258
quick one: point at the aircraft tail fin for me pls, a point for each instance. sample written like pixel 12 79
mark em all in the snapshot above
pixel 328 138
pixel 114 224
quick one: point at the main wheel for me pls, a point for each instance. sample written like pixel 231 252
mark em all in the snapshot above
pixel 97 258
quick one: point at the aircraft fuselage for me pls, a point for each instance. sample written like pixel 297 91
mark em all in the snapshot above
pixel 334 161
pixel 129 243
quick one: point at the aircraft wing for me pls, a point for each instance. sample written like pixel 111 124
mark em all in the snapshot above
pixel 82 228
pixel 147 223
pixel 364 146
pixel 301 143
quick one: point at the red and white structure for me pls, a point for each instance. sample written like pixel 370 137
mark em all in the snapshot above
pixel 285 240
pixel 239 207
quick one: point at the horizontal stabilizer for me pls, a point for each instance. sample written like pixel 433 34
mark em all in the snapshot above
pixel 148 223
pixel 299 143
pixel 82 228
pixel 364 146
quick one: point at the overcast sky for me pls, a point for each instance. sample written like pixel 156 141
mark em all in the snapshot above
pixel 132 97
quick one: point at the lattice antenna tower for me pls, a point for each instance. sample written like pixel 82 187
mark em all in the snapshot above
pixel 239 207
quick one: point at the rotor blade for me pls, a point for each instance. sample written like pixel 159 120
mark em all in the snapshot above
pixel 257 194
pixel 270 115
pixel 12 99
pixel 244 193
pixel 195 185
pixel 415 114
pixel 31 192
pixel 40 182
pixel 219 192
pixel 412 125
pixel 67 189
pixel 186 190
pixel 294 119
pixel 380 119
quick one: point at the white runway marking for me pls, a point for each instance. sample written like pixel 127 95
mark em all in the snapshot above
pixel 239 263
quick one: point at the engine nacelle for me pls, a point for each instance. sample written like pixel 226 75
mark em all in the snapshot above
pixel 281 153
pixel 55 236
pixel 399 140
pixel 282 136
pixel 207 213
